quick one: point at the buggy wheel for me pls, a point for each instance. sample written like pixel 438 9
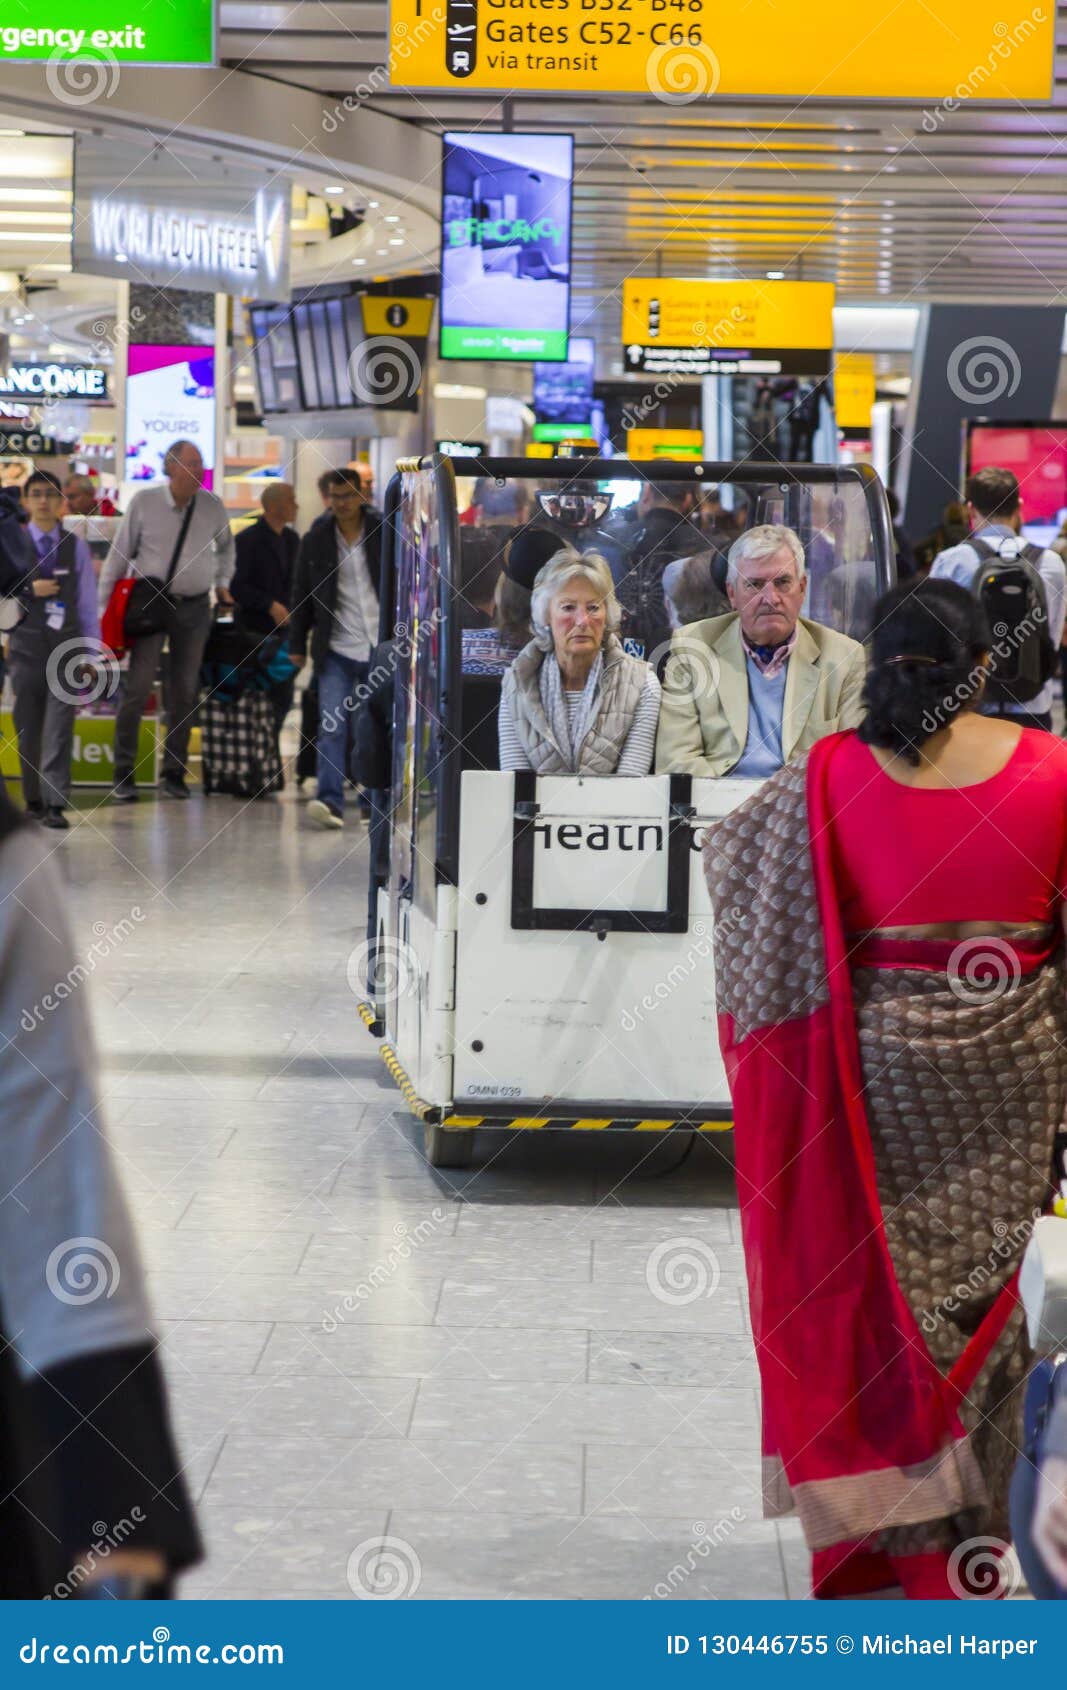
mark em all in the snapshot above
pixel 448 1150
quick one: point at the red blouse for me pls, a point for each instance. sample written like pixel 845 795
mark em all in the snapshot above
pixel 994 851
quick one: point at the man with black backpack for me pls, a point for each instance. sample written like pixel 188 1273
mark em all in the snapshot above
pixel 1023 589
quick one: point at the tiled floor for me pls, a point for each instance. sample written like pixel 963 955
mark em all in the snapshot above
pixel 384 1374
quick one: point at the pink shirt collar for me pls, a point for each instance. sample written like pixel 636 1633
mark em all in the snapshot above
pixel 772 666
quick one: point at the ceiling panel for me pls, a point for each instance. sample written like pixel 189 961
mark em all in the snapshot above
pixel 888 201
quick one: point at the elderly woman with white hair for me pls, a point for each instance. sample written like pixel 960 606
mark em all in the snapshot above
pixel 573 701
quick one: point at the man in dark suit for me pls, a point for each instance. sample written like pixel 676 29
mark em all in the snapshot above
pixel 263 580
pixel 266 558
pixel 335 601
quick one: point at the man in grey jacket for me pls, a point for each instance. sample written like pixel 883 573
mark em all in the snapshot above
pixel 159 536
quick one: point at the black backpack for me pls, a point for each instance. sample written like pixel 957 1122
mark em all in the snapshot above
pixel 1009 588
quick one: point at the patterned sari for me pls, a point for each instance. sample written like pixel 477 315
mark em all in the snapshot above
pixel 894 1133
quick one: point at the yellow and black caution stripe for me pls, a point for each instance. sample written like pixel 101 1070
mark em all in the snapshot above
pixel 523 1123
pixel 369 1017
pixel 417 1105
pixel 578 1124
pixel 411 1097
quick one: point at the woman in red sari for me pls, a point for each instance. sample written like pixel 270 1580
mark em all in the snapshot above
pixel 893 1016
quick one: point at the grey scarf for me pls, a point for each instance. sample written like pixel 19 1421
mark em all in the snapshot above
pixel 550 685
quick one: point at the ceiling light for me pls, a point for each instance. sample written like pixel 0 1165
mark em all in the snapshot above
pixel 396 240
pixel 776 275
pixel 35 196
pixel 334 188
pixel 381 252
pixel 390 220
pixel 120 258
pixel 372 205
pixel 359 261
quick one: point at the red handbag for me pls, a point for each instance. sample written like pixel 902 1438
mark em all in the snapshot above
pixel 113 621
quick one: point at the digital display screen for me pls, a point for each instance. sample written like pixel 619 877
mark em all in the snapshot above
pixel 1036 454
pixel 170 395
pixel 320 337
pixel 563 393
pixel 275 353
pixel 339 350
pixel 305 352
pixel 506 246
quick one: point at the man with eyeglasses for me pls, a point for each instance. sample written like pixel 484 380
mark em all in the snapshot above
pixel 335 601
pixel 745 692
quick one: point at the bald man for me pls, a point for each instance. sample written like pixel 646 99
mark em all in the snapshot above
pixel 266 552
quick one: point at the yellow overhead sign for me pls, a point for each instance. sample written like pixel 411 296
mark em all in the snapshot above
pixel 673 326
pixel 645 443
pixel 854 389
pixel 683 50
pixel 386 314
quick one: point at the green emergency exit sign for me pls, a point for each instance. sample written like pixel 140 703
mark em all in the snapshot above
pixel 75 36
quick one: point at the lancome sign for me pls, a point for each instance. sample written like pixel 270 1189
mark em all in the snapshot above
pixel 34 380
pixel 179 221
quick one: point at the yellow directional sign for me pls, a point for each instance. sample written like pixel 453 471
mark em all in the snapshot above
pixel 686 50
pixel 854 389
pixel 673 326
pixel 645 443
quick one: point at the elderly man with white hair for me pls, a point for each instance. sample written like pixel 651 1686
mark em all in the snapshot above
pixel 745 692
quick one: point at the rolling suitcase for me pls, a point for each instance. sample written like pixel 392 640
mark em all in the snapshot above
pixel 238 747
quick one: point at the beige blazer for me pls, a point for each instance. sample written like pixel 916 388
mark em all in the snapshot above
pixel 703 718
